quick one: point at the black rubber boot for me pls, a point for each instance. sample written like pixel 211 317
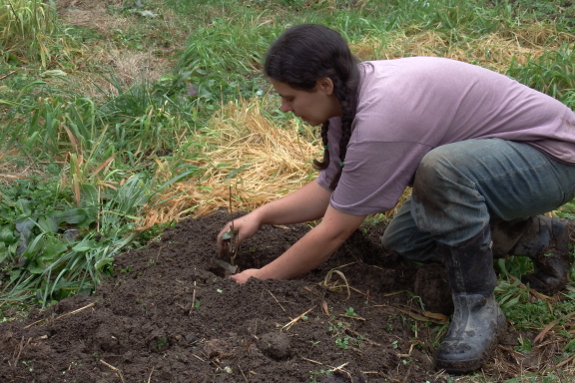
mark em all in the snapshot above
pixel 477 321
pixel 545 240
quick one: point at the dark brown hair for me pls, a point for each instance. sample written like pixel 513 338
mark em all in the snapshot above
pixel 306 53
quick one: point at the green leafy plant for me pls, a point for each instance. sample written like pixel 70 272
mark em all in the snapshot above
pixel 315 374
pixel 350 312
pixel 343 342
pixel 162 342
pixel 525 345
pixel 50 248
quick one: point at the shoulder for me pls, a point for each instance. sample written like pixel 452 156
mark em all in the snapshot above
pixel 408 68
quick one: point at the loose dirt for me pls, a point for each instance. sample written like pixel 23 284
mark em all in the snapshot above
pixel 170 314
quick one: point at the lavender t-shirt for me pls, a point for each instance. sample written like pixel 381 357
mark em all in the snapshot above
pixel 407 107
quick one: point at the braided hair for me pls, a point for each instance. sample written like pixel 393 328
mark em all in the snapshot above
pixel 301 56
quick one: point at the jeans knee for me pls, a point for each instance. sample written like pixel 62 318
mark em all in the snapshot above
pixel 431 175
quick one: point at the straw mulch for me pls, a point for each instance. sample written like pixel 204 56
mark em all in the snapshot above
pixel 494 51
pixel 247 160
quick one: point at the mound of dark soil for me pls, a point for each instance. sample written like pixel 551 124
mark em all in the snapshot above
pixel 169 314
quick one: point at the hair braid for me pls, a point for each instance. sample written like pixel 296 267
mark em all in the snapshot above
pixel 324 163
pixel 345 96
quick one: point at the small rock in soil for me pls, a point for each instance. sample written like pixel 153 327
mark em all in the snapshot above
pixel 275 345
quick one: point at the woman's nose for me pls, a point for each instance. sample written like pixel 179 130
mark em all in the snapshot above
pixel 286 107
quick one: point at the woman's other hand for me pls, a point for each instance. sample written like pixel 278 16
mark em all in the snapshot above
pixel 243 277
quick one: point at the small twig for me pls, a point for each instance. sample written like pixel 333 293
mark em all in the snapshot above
pixel 197 357
pixel 541 335
pixel 357 335
pixel 376 306
pixel 246 379
pixel 20 349
pixel 159 253
pixel 64 315
pixel 294 321
pixel 339 368
pixel 408 354
pixel 42 337
pixel 233 238
pixel 360 292
pixel 7 75
pixel 312 361
pixel 277 301
pixel 116 370
pixel 408 373
pixel 150 377
pixel 566 361
pixel 193 299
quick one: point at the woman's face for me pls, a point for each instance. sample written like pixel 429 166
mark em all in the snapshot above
pixel 314 107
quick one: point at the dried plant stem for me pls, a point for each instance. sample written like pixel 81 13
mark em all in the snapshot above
pixel 193 299
pixel 116 370
pixel 294 321
pixel 150 377
pixel 64 315
pixel 275 299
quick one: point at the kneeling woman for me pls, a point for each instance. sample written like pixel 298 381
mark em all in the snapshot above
pixel 486 156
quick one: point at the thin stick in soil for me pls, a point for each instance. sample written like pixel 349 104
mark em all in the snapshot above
pixel 284 310
pixel 193 299
pixel 365 339
pixel 332 369
pixel 294 321
pixel 408 373
pixel 150 377
pixel 64 315
pixel 242 372
pixel 312 361
pixel 116 370
pixel 230 239
pixel 20 349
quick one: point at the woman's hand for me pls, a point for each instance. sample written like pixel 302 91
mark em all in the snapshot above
pixel 243 228
pixel 305 204
pixel 243 277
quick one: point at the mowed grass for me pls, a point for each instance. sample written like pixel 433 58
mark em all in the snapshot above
pixel 118 119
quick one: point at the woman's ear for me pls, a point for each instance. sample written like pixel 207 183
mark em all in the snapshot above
pixel 325 85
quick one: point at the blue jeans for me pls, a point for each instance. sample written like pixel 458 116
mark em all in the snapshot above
pixel 460 187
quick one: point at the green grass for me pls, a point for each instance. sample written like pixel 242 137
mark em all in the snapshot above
pixel 552 73
pixel 25 30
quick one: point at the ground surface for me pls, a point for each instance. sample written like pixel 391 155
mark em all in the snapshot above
pixel 169 314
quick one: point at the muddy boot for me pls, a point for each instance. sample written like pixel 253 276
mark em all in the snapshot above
pixel 477 321
pixel 545 240
pixel 546 243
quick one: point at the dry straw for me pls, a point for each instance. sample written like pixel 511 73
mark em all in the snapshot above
pixel 247 150
pixel 494 51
